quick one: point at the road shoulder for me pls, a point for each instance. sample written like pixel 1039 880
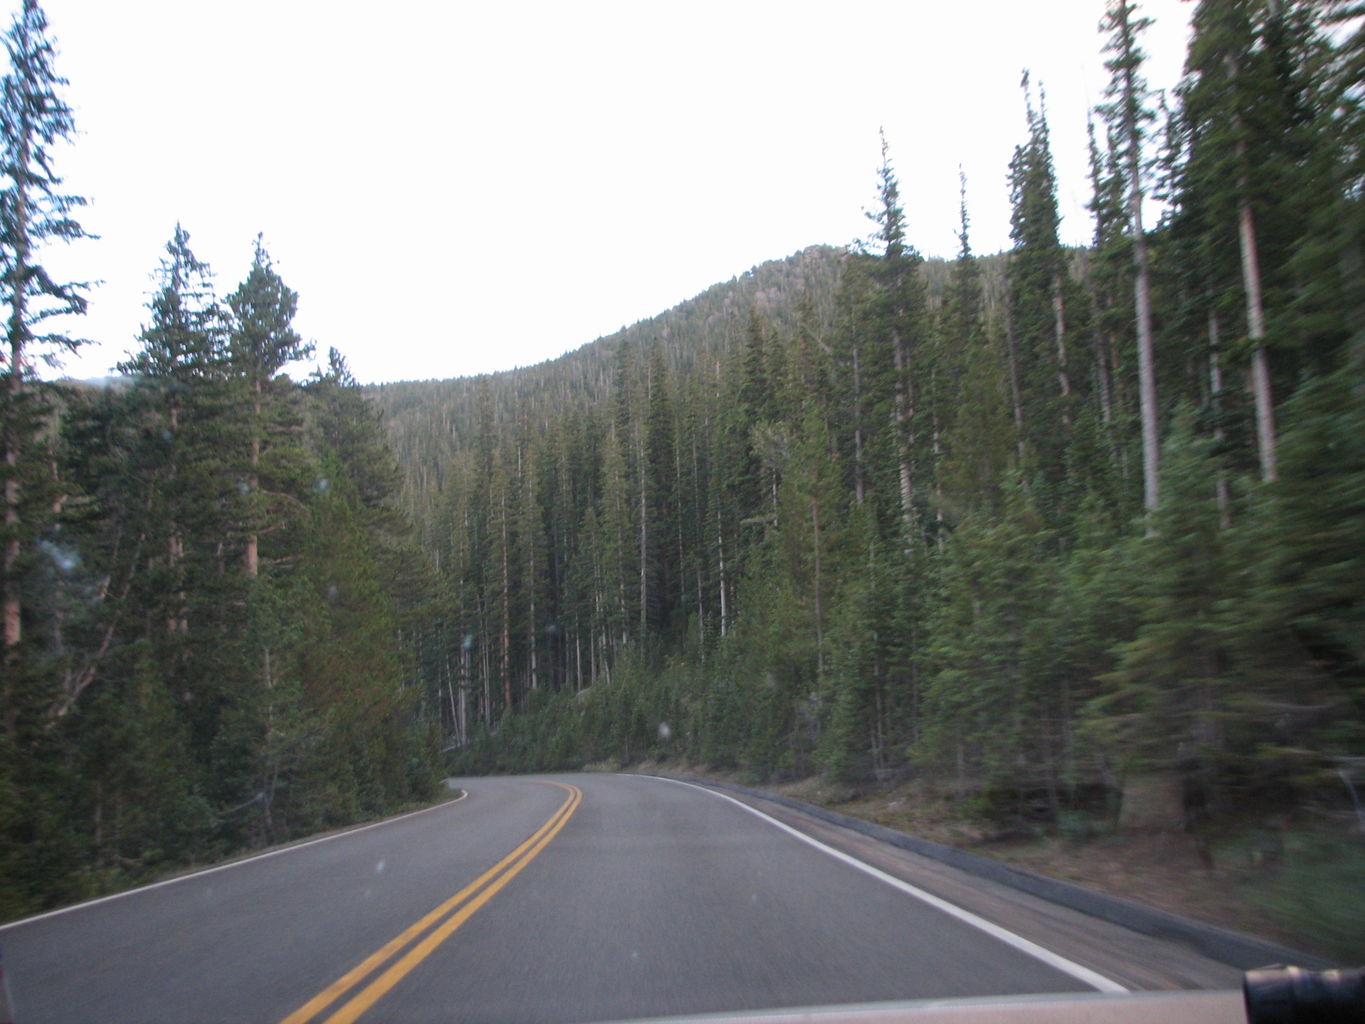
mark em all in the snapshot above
pixel 1140 947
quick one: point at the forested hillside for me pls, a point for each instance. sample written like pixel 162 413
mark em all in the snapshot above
pixel 430 422
pixel 1031 524
pixel 1035 523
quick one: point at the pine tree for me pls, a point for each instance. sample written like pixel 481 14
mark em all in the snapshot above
pixel 849 748
pixel 261 343
pixel 1251 178
pixel 184 342
pixel 38 817
pixel 973 426
pixel 851 354
pixel 1107 273
pixel 1168 702
pixel 991 712
pixel 1298 618
pixel 898 323
pixel 359 579
pixel 660 504
pixel 33 212
pixel 1037 329
pixel 1326 305
pixel 181 381
pixel 1129 115
pixel 146 806
pixel 265 735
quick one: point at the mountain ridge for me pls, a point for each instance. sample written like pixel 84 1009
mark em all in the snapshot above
pixel 429 421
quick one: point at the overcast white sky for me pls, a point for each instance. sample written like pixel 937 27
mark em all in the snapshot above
pixel 457 188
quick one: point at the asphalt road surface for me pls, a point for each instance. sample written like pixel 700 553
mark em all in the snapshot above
pixel 565 898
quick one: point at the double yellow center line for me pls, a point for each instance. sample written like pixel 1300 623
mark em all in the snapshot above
pixel 418 942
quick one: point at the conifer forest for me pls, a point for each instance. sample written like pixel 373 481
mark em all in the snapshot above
pixel 1031 523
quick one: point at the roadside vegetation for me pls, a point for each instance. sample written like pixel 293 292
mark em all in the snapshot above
pixel 1072 537
pixel 205 578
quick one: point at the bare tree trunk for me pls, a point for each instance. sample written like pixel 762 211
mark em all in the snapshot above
pixel 1151 449
pixel 578 660
pixel 1251 281
pixel 18 330
pixel 1128 60
pixel 1260 366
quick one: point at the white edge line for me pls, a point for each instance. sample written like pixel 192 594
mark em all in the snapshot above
pixel 1055 960
pixel 227 865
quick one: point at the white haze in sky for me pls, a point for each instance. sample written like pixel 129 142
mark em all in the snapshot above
pixel 458 188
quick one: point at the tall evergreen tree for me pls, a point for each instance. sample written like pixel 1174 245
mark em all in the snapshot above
pixel 1168 704
pixel 33 212
pixel 261 343
pixel 1251 175
pixel 1129 115
pixel 973 408
pixel 184 341
pixel 180 378
pixel 660 504
pixel 1037 322
pixel 899 323
pixel 851 356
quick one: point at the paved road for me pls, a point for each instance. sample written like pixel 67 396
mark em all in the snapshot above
pixel 570 898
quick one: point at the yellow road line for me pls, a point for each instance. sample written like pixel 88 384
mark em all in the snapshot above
pixel 386 981
pixel 470 897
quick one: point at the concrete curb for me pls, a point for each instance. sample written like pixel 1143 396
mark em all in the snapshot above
pixel 1235 949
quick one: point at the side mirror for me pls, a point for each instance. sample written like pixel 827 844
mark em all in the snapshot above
pixel 1291 995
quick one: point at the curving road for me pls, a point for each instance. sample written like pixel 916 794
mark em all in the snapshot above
pixel 567 898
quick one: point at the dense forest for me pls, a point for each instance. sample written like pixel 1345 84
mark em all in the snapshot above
pixel 206 580
pixel 1033 524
